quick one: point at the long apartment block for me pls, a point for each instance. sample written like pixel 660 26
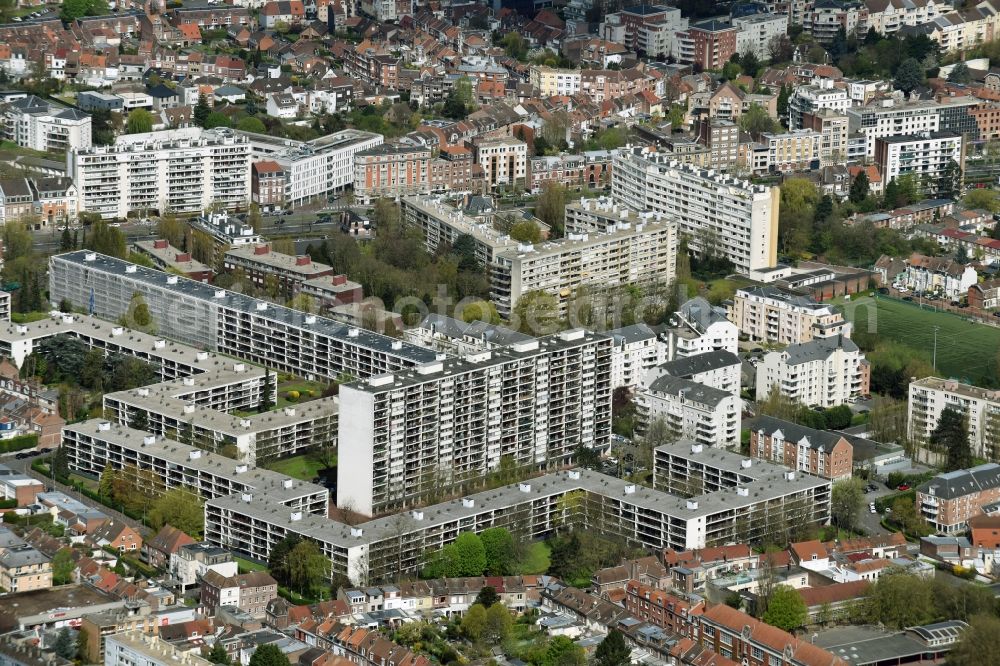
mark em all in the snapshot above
pixel 744 501
pixel 215 319
pixel 980 407
pixel 452 421
pixel 94 445
pixel 187 169
pixel 717 212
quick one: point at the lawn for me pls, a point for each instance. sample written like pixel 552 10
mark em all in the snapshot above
pixel 965 350
pixel 536 559
pixel 303 387
pixel 248 565
pixel 298 467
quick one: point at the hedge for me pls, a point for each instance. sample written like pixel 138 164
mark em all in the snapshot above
pixel 19 443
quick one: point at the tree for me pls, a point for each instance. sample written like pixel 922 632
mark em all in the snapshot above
pixel 218 655
pixel 550 207
pixel 555 129
pixel 74 9
pixel 613 651
pixel 139 121
pixel 63 567
pixel 846 501
pixel 909 75
pixel 268 654
pixel 279 563
pixel 474 622
pixel 960 74
pixel 309 569
pixel 984 198
pixel 487 597
pixel 464 248
pixel 251 124
pixel 501 553
pixel 562 651
pixel 107 240
pixel 65 645
pixel 783 96
pixel 979 645
pixel 526 231
pixel 859 188
pixel 468 555
pixel 900 600
pixel 459 101
pixel 201 110
pixel 217 119
pixel 537 313
pixel 181 508
pixel 757 121
pixel 499 623
pixel 951 437
pixel 786 609
pixel 515 46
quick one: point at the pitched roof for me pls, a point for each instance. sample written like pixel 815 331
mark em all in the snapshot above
pixel 771 637
pixel 793 432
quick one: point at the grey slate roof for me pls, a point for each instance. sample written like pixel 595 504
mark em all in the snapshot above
pixel 634 333
pixel 701 314
pixel 817 349
pixel 963 481
pixel 692 365
pixel 793 432
pixel 692 391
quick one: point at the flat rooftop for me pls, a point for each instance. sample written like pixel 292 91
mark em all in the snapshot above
pixel 28 604
pixel 484 232
pixel 957 388
pixel 168 255
pixel 278 487
pixel 242 303
pixel 303 265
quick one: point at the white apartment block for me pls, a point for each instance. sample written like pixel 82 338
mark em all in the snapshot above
pixel 191 562
pixel 641 248
pixel 768 314
pixel 203 316
pixel 442 224
pixel 795 150
pixel 716 369
pixel 926 156
pixel 707 415
pixel 95 445
pixel 741 498
pixel 637 350
pixel 4 306
pixel 551 81
pixel 886 17
pixel 313 169
pixel 414 433
pixel 699 327
pixel 886 118
pixel 34 123
pixel 183 170
pixel 825 372
pixel 135 648
pixel 980 407
pixel 738 219
pixel 810 99
pixel 504 161
pixel 756 32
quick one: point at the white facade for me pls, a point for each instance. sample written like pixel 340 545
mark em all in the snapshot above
pixel 738 219
pixel 551 81
pixel 698 327
pixel 504 161
pixel 35 124
pixel 809 99
pixel 885 118
pixel 822 373
pixel 768 314
pixel 701 413
pixel 924 156
pixel 184 170
pixel 756 32
pixel 980 407
pixel 637 350
pixel 188 570
pixel 886 17
pixel 316 168
pixel 135 648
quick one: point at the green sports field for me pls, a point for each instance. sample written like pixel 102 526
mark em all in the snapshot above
pixel 965 350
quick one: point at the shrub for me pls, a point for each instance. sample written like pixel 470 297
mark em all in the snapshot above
pixel 292 395
pixel 19 443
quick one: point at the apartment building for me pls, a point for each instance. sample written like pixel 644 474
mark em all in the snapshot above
pixel 769 314
pixel 504 161
pixel 706 415
pixel 22 568
pixel 886 17
pixel 717 369
pixel 717 212
pixel 209 318
pixel 183 170
pixel 313 169
pixel 949 500
pixel 935 159
pixel 887 118
pixel 824 19
pixel 442 224
pixel 820 452
pixel 736 635
pixel 823 372
pixel 812 99
pixel 551 81
pixel 167 257
pixel 383 548
pixel 699 327
pixel 192 561
pixel 640 248
pixel 261 264
pixel 930 396
pixel 31 122
pixel 250 592
pixel 722 138
pixel 707 44
pixel 96 444
pixel 756 32
pixel 136 648
pixel 648 29
pixel 447 421
pixel 832 126
pixel 267 185
pixel 391 171
pixel 637 350
pixel 566 170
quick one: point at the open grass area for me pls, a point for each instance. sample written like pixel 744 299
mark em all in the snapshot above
pixel 298 467
pixel 965 350
pixel 303 387
pixel 536 559
pixel 246 566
